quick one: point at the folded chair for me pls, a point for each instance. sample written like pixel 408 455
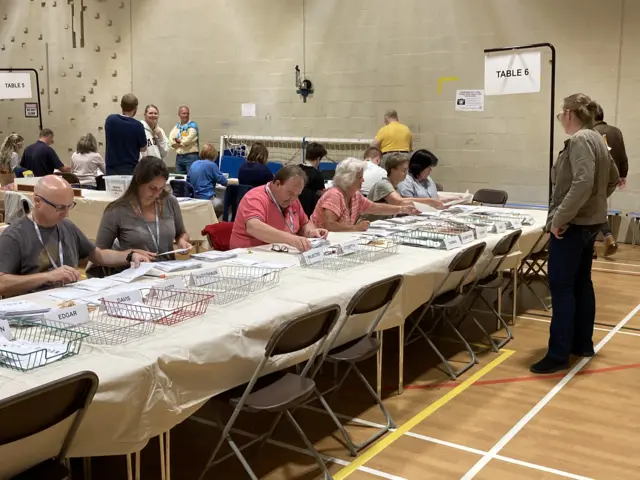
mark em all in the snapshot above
pixel 487 196
pixel 289 391
pixel 34 411
pixel 444 305
pixel 492 279
pixel 375 297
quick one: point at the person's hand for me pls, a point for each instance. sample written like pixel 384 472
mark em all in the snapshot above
pixel 184 243
pixel 318 233
pixel 409 210
pixel 362 226
pixel 299 243
pixel 622 183
pixel 438 205
pixel 176 140
pixel 63 275
pixel 558 231
pixel 140 257
pixel 157 133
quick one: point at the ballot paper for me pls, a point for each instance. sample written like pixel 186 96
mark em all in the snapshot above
pixel 318 242
pixel 132 273
pixel 176 265
pixel 424 208
pixel 179 251
pixel 13 307
pixel 26 354
pixel 213 256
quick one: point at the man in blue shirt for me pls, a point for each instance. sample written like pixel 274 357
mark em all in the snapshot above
pixel 41 158
pixel 125 138
pixel 203 176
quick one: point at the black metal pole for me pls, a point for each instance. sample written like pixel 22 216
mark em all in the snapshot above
pixel 37 87
pixel 552 116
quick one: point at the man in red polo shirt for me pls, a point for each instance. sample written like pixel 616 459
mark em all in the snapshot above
pixel 273 214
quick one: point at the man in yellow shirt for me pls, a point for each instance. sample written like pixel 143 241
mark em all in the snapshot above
pixel 394 137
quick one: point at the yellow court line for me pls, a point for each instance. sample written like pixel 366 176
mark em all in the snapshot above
pixel 420 417
pixel 441 80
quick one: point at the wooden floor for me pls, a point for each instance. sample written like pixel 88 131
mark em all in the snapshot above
pixel 498 421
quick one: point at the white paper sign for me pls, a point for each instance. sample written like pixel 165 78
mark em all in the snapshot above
pixel 512 73
pixel 203 277
pixel 5 330
pixel 75 315
pixel 350 246
pixel 516 224
pixel 15 85
pixel 466 237
pixel 315 255
pixel 175 283
pixel 481 232
pixel 501 227
pixel 133 296
pixel 469 100
pixel 452 241
pixel 248 109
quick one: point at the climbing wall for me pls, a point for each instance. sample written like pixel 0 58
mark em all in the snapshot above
pixel 81 50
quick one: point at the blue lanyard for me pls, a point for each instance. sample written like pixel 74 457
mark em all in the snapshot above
pixel 60 252
pixel 156 239
pixel 290 223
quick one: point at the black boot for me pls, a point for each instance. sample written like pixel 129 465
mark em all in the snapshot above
pixel 548 365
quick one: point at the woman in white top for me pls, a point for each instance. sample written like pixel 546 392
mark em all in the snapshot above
pixel 10 153
pixel 157 141
pixel 86 162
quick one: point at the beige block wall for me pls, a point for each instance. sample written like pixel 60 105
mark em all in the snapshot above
pixel 363 56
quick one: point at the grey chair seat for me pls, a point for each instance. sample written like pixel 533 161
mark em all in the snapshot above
pixel 287 392
pixel 491 282
pixel 363 349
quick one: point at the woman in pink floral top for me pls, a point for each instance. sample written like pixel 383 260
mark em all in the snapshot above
pixel 339 209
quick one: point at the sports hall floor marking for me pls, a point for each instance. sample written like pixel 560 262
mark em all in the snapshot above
pixel 600 329
pixel 480 464
pixel 382 444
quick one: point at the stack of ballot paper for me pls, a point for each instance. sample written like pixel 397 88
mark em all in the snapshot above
pixel 174 266
pixel 213 256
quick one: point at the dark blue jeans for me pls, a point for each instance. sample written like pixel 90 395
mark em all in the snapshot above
pixel 572 297
pixel 183 162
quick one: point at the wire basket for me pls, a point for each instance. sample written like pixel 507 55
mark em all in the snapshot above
pixel 429 236
pixel 62 343
pixel 513 220
pixel 229 283
pixel 165 307
pixel 373 250
pixel 105 329
pixel 332 259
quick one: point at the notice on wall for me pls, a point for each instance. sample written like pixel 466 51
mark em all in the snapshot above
pixel 512 73
pixel 248 109
pixel 15 85
pixel 31 110
pixel 469 100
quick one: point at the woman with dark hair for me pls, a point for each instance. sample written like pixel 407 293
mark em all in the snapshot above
pixel 254 171
pixel 146 217
pixel 86 162
pixel 418 184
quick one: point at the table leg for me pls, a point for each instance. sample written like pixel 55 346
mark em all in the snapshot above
pixel 498 326
pixel 379 358
pixel 163 474
pixel 86 466
pixel 401 360
pixel 168 444
pixel 515 293
pixel 129 467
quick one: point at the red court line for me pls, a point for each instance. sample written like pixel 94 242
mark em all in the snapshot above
pixel 531 378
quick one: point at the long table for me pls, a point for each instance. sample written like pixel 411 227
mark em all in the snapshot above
pixel 89 209
pixel 150 385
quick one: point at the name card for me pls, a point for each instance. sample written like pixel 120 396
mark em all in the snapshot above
pixel 134 296
pixel 75 315
pixel 310 257
pixel 175 283
pixel 452 241
pixel 516 224
pixel 481 232
pixel 203 277
pixel 348 247
pixel 501 227
pixel 5 330
pixel 467 237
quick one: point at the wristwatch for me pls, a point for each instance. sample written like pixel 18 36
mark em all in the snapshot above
pixel 130 256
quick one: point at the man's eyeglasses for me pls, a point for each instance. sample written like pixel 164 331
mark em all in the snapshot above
pixel 58 208
pixel 280 248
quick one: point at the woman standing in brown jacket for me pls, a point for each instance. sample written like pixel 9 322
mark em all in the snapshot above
pixel 583 177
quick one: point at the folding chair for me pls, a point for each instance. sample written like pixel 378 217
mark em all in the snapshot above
pixel 218 235
pixel 492 279
pixel 39 409
pixel 533 268
pixel 443 304
pixel 375 297
pixel 487 196
pixel 283 395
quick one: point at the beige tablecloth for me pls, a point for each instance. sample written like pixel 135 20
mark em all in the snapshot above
pixel 89 208
pixel 152 384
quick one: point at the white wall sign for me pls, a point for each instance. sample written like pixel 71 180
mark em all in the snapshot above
pixel 15 85
pixel 512 73
pixel 248 109
pixel 469 100
pixel 31 110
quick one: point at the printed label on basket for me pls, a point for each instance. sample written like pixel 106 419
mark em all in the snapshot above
pixel 203 277
pixel 5 330
pixel 501 227
pixel 452 241
pixel 134 296
pixel 466 237
pixel 175 283
pixel 516 224
pixel 481 232
pixel 75 315
pixel 348 247
pixel 315 255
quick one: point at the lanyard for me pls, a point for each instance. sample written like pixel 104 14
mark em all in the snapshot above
pixel 60 253
pixel 156 238
pixel 273 199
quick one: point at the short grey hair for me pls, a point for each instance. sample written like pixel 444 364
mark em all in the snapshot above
pixel 391 114
pixel 347 171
